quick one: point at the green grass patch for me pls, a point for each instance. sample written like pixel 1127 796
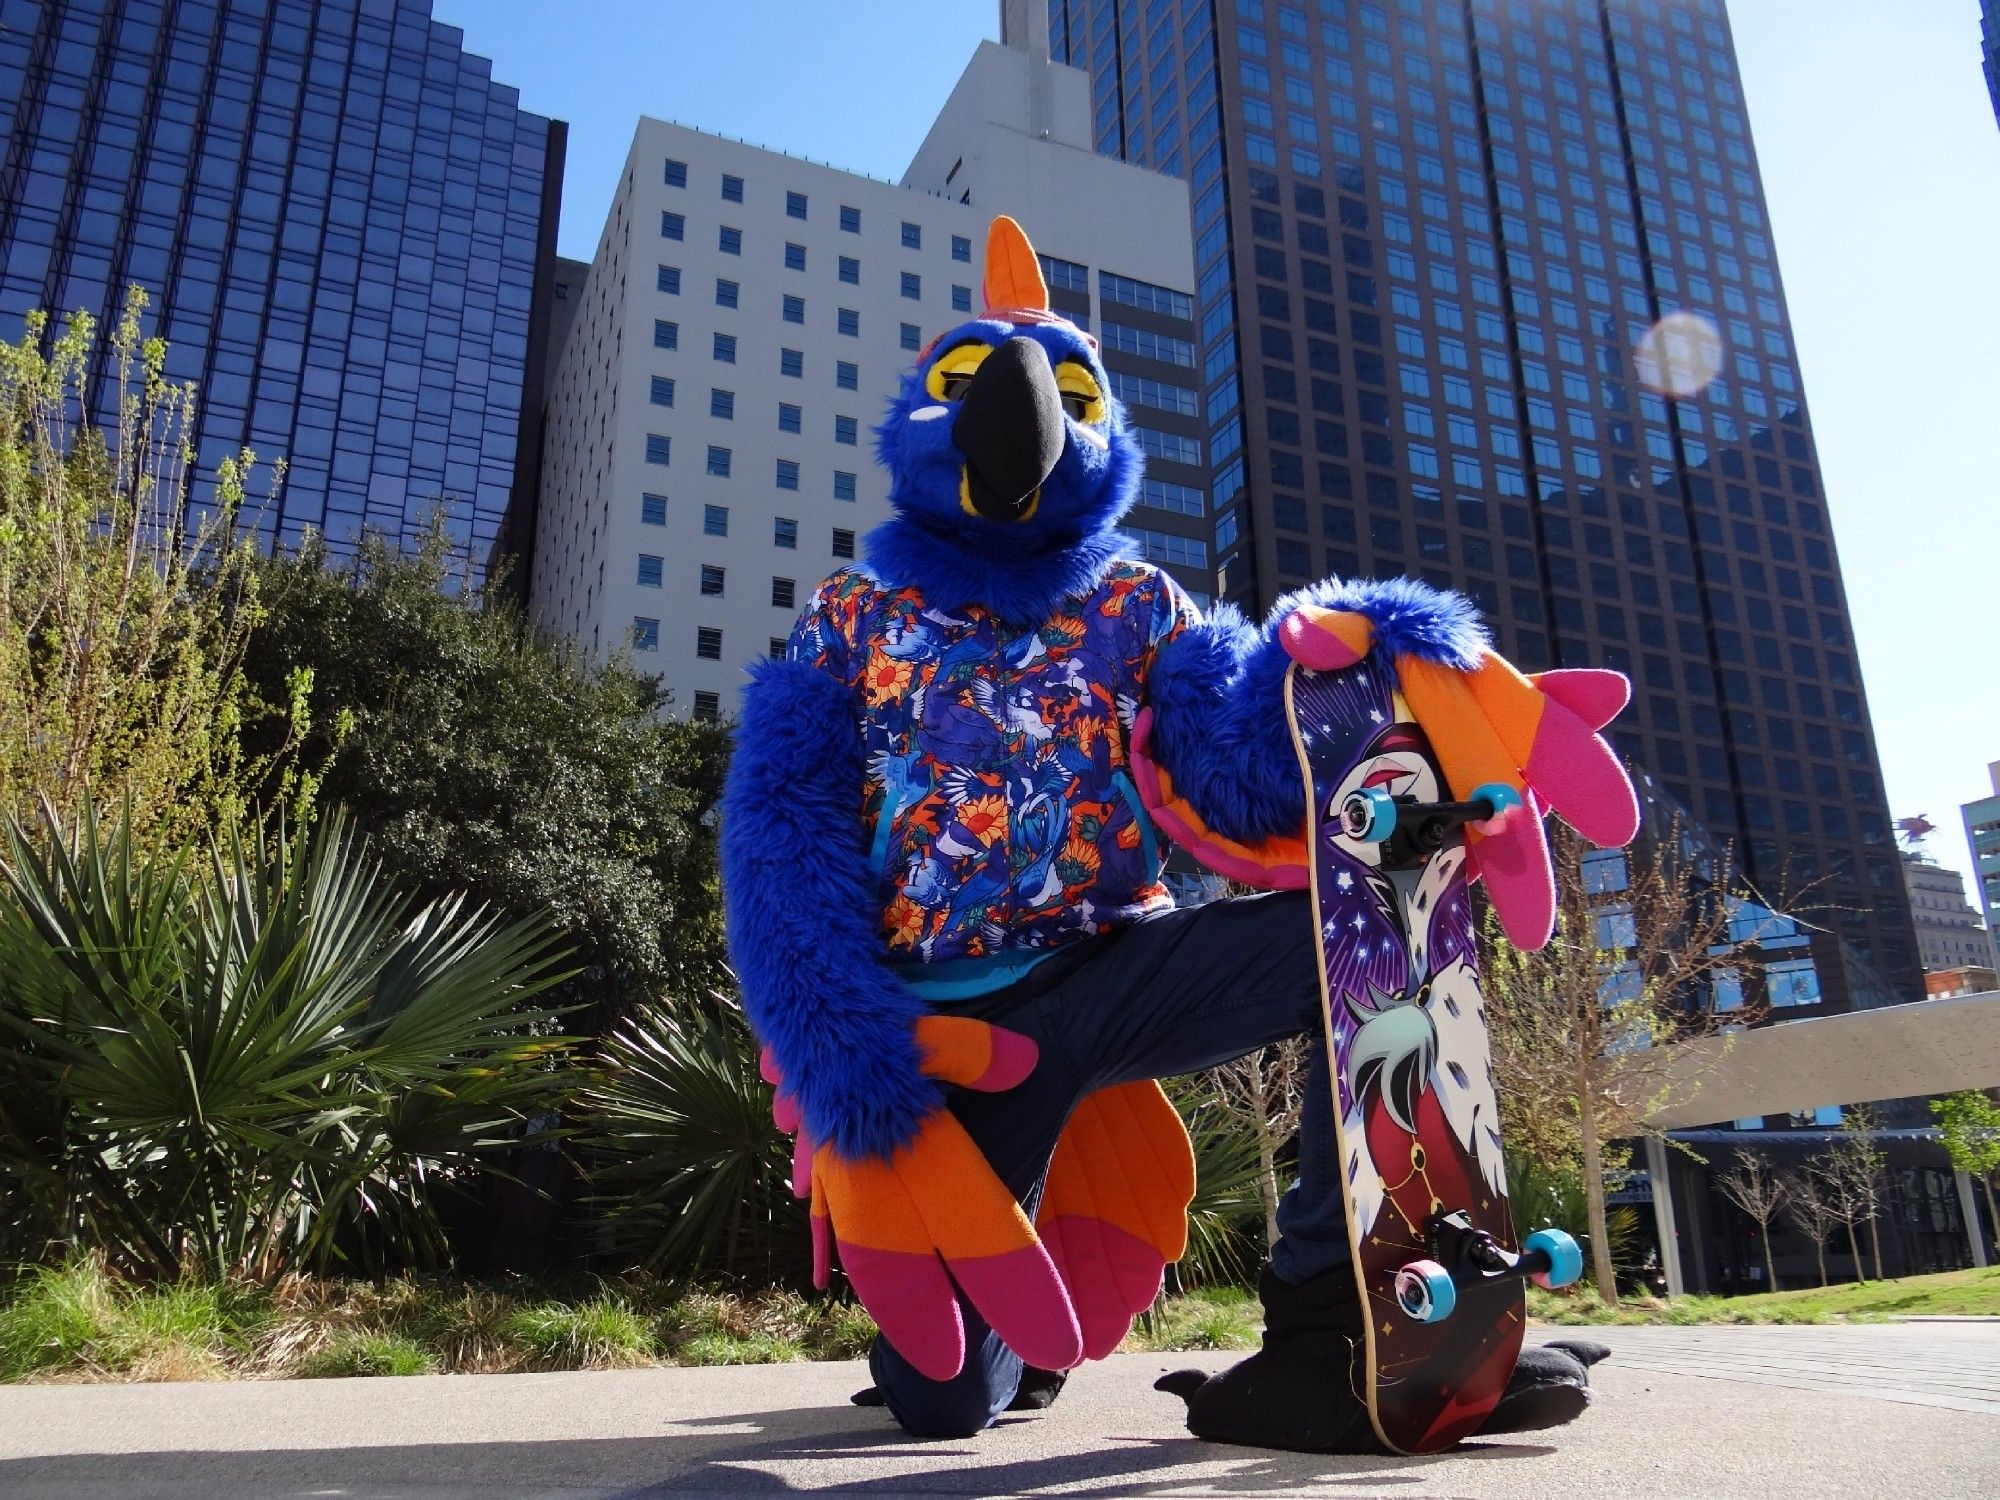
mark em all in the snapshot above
pixel 1211 1318
pixel 1971 1293
pixel 604 1332
pixel 356 1351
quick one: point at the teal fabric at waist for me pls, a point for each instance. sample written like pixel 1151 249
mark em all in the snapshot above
pixel 964 978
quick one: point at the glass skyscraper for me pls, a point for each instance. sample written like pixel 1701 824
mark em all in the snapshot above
pixel 1487 295
pixel 342 222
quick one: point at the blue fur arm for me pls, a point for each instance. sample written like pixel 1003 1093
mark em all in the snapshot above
pixel 802 916
pixel 1218 694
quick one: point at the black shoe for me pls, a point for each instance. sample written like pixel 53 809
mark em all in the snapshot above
pixel 1038 1391
pixel 1551 1386
pixel 1300 1391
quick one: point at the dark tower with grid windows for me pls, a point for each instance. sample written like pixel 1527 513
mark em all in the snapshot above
pixel 1487 295
pixel 346 228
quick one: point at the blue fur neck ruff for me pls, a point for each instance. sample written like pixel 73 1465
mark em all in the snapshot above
pixel 984 563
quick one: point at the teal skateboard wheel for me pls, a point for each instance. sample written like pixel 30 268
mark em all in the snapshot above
pixel 1425 1291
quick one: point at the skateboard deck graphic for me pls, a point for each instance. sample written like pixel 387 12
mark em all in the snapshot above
pixel 1414 1106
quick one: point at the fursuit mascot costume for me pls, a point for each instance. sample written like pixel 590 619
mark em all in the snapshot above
pixel 942 848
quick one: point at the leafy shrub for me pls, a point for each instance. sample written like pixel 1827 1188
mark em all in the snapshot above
pixel 245 1058
pixel 688 1174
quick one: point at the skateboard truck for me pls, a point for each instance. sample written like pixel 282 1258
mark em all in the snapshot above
pixel 1410 831
pixel 1462 1255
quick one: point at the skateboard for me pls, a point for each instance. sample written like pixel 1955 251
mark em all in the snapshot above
pixel 1434 1252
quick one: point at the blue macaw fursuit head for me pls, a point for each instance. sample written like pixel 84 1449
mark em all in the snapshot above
pixel 946 820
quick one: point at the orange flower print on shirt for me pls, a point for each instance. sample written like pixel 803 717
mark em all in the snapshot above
pixel 885 679
pixel 905 922
pixel 985 818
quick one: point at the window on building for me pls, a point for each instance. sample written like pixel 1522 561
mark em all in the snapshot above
pixel 849 323
pixel 847 375
pixel 659 448
pixel 846 430
pixel 788 417
pixel 795 257
pixel 843 485
pixel 708 705
pixel 708 645
pixel 911 337
pixel 783 593
pixel 722 404
pixel 724 348
pixel 712 576
pixel 715 520
pixel 850 219
pixel 961 299
pixel 961 248
pixel 645 634
pixel 663 391
pixel 666 335
pixel 718 462
pixel 732 188
pixel 795 205
pixel 792 362
pixel 794 309
pixel 850 270
pixel 913 286
pixel 913 236
pixel 777 648
pixel 788 474
pixel 677 173
pixel 653 510
pixel 727 293
pixel 1142 294
pixel 670 280
pixel 729 240
pixel 1067 275
pixel 650 568
pixel 843 542
pixel 785 533
pixel 673 227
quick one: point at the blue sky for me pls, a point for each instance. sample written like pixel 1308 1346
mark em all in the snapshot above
pixel 1881 162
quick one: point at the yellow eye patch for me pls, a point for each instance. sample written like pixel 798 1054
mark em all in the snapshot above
pixel 1082 401
pixel 946 380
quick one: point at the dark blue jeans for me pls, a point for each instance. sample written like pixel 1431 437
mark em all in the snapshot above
pixel 1176 993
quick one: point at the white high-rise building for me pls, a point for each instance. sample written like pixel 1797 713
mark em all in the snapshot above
pixel 709 455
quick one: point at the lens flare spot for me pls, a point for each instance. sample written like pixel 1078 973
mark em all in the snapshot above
pixel 1679 355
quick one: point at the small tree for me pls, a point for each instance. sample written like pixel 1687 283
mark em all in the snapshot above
pixel 1760 1194
pixel 1575 1026
pixel 1810 1211
pixel 1264 1091
pixel 123 618
pixel 1857 1162
pixel 481 756
pixel 1970 1124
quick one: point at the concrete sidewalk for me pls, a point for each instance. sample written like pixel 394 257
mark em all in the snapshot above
pixel 1897 1409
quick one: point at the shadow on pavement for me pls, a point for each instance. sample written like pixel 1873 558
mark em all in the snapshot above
pixel 794 1451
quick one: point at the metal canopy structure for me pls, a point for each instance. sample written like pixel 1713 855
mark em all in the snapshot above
pixel 1896 1052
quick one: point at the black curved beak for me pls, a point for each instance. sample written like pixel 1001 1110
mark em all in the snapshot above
pixel 1010 429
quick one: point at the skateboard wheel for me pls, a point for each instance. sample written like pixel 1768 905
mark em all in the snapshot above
pixel 1425 1291
pixel 1565 1257
pixel 1502 798
pixel 1368 815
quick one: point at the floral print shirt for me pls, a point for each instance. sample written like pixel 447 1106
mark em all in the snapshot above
pixel 998 813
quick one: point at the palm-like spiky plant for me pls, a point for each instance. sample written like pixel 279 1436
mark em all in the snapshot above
pixel 251 1055
pixel 688 1170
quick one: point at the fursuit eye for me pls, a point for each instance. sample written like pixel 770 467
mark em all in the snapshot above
pixel 1076 406
pixel 952 386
